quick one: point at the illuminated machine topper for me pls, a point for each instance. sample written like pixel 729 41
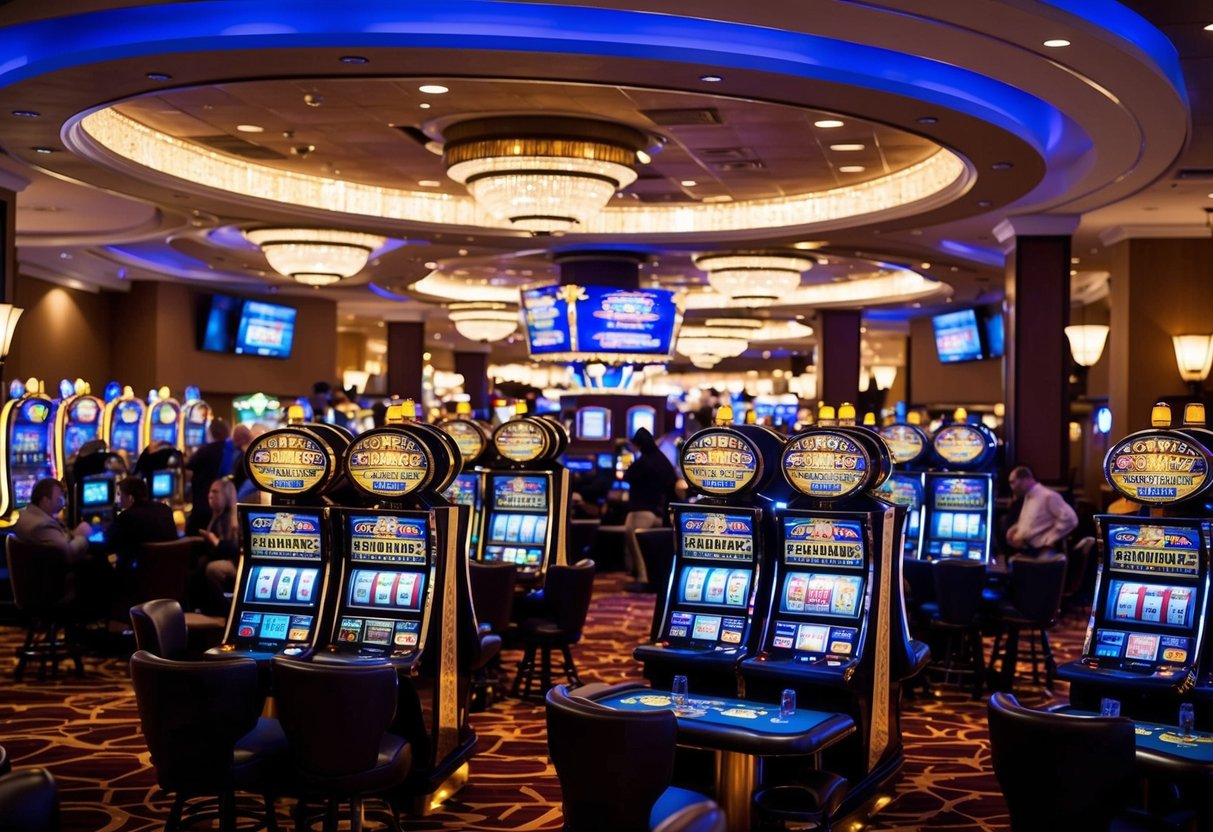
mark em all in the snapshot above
pixel 289 461
pixel 827 464
pixel 1156 550
pixel 388 464
pixel 1158 467
pixel 720 462
pixel 284 534
pixel 521 440
pixel 906 443
pixel 598 323
pixel 467 436
pixel 961 444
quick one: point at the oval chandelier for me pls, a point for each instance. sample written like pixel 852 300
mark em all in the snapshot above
pixel 538 173
pixel 715 340
pixel 754 278
pixel 483 321
pixel 315 256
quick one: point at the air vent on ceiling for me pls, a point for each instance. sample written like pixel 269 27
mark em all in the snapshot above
pixel 724 154
pixel 414 133
pixel 740 165
pixel 1195 173
pixel 684 116
pixel 238 147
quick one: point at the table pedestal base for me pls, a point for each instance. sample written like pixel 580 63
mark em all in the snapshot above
pixel 736 779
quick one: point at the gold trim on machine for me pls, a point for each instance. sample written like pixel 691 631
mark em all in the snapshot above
pixel 879 740
pixel 448 671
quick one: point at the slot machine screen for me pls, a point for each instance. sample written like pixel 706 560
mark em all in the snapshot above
pixel 97 493
pixel 958 522
pixel 593 423
pixel 23 488
pixel 284 535
pixel 75 435
pixel 282 592
pixel 812 593
pixel 163 485
pixel 1134 602
pixel 715 580
pixel 195 435
pixel 642 417
pixel 464 491
pixel 125 438
pixel 509 534
pixel 29 440
pixel 166 434
pixel 520 492
pixel 385 592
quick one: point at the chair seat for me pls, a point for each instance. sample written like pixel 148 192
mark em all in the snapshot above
pixel 672 801
pixel 1136 820
pixel 490 646
pixel 391 767
pixel 542 629
pixel 815 796
pixel 259 748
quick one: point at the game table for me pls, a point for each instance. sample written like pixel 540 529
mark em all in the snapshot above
pixel 740 732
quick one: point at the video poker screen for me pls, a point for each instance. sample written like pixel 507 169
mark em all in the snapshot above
pixel 389 538
pixel 951 493
pixel 810 593
pixel 273 629
pixel 705 631
pixel 97 492
pixel 378 635
pixel 1142 603
pixel 283 585
pixel 284 535
pixel 520 555
pixel 715 586
pixel 163 484
pixel 385 591
pixel 958 525
pixel 1147 648
pixel 507 527
pixel 519 492
pixel 716 535
pixel 814 640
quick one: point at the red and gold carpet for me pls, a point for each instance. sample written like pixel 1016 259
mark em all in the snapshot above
pixel 86 732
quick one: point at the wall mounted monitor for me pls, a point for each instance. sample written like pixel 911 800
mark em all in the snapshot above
pixel 265 329
pixel 957 336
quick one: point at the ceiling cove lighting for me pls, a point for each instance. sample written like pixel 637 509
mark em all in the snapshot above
pixel 754 278
pixel 482 321
pixel 315 256
pixel 542 174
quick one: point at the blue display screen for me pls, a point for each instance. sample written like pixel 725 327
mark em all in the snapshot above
pixel 608 320
pixel 163 484
pixel 215 326
pixel 995 336
pixel 957 337
pixel 265 329
pixel 96 493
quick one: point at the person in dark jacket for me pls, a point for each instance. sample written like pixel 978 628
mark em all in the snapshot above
pixel 140 521
pixel 650 478
pixel 221 457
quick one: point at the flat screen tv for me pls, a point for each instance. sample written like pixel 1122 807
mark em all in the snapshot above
pixel 266 329
pixel 632 324
pixel 957 337
pixel 217 316
pixel 995 335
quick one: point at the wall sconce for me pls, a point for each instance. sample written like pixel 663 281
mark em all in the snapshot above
pixel 1193 356
pixel 1087 342
pixel 884 375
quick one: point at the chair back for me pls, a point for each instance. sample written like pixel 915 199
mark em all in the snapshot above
pixel 29 801
pixel 192 714
pixel 164 569
pixel 160 628
pixel 38 575
pixel 920 576
pixel 334 715
pixel 581 538
pixel 492 585
pixel 958 585
pixel 612 789
pixel 1076 566
pixel 657 547
pixel 568 590
pixel 1036 585
pixel 1060 772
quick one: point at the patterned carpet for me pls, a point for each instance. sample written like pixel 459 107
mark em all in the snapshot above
pixel 86 732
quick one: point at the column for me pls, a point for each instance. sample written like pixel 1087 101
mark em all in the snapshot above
pixel 1037 353
pixel 474 367
pixel 838 355
pixel 405 346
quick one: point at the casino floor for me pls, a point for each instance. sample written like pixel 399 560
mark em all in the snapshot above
pixel 86 732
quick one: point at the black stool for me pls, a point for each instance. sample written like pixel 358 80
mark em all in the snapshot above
pixel 809 804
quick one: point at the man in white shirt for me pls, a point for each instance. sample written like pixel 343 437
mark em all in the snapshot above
pixel 1045 519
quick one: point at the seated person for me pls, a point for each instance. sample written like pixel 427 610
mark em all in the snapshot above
pixel 222 547
pixel 39 524
pixel 141 520
pixel 1045 520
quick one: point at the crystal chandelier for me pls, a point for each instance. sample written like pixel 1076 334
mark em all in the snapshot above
pixel 542 174
pixel 715 340
pixel 483 321
pixel 754 278
pixel 315 256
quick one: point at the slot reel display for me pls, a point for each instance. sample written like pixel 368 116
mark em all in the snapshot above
pixel 909 447
pixel 27 422
pixel 122 425
pixel 958 508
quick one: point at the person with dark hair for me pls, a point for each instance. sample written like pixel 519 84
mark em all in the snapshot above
pixel 218 458
pixel 39 522
pixel 141 520
pixel 222 547
pixel 1045 518
pixel 651 479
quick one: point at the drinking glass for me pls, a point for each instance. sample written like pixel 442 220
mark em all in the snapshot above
pixel 787 703
pixel 1109 707
pixel 1187 720
pixel 679 692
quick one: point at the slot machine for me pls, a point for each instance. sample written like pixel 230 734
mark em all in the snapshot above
pixel 92 492
pixel 162 421
pixel 284 574
pixel 26 427
pixel 196 418
pixel 958 501
pixel 1145 643
pixel 122 423
pixel 77 421
pixel 721 558
pixel 834 628
pixel 909 447
pixel 403 594
pixel 526 498
pixel 474 441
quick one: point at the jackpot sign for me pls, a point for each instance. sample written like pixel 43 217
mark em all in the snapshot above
pixel 826 464
pixel 906 443
pixel 1158 468
pixel 388 464
pixel 287 462
pixel 520 441
pixel 719 462
pixel 960 444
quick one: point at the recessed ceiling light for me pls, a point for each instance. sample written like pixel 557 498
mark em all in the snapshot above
pixel 428 183
pixel 924 265
pixel 809 245
pixel 711 79
pixel 26 113
pixel 250 128
pixel 1056 43
pixel 431 265
pixel 44 150
pixel 643 158
pixel 688 183
pixel 353 59
pixel 159 76
pixel 425 105
pixel 851 169
pixel 847 148
pixel 828 123
pixel 433 89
